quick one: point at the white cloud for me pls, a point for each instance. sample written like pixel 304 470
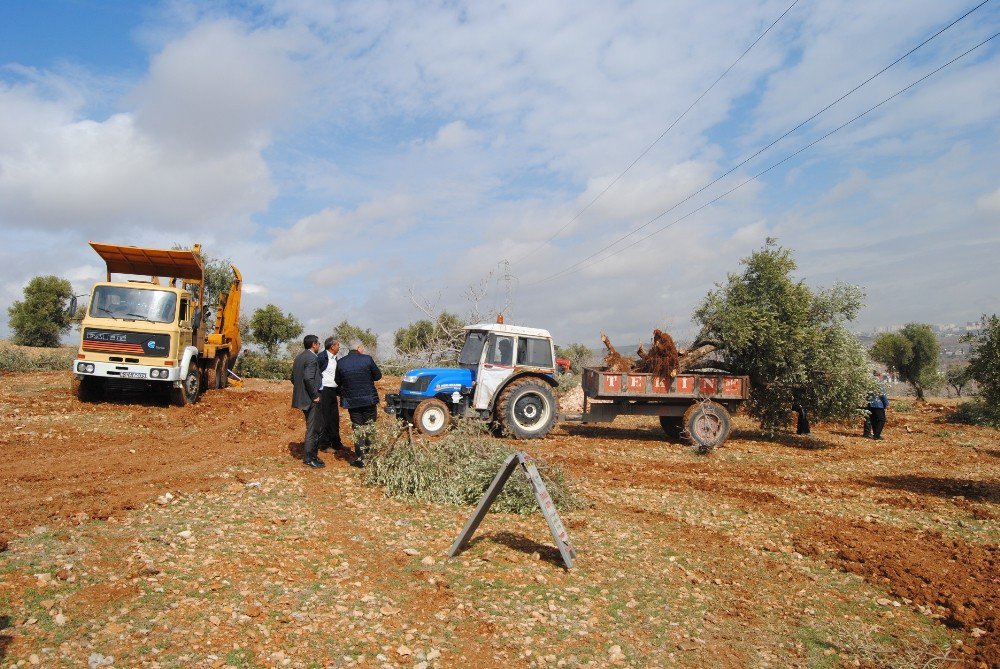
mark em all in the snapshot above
pixel 990 203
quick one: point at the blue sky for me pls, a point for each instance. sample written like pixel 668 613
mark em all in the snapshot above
pixel 362 160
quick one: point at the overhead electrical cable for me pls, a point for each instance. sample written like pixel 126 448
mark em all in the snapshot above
pixel 770 144
pixel 578 266
pixel 657 140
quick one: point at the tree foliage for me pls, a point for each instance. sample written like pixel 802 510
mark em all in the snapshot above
pixel 440 339
pixel 269 327
pixel 913 353
pixel 790 340
pixel 957 377
pixel 577 354
pixel 347 333
pixel 984 365
pixel 41 317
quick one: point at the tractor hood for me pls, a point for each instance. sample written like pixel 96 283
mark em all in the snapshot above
pixel 431 381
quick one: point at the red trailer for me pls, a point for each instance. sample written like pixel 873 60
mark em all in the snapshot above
pixel 696 407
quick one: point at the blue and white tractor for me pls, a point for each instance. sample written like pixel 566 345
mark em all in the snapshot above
pixel 506 375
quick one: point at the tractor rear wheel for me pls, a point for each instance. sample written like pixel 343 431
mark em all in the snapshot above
pixel 432 417
pixel 706 426
pixel 527 409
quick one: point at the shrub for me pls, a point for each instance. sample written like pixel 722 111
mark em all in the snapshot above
pixel 256 366
pixel 18 360
pixel 457 468
pixel 976 412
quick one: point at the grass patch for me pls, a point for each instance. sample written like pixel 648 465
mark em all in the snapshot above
pixel 902 406
pixel 976 412
pixel 457 468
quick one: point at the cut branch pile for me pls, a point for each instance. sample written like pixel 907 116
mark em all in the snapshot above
pixel 663 359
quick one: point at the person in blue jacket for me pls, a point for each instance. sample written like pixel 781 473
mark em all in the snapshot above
pixel 878 402
pixel 356 376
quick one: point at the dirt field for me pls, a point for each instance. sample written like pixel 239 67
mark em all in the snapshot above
pixel 826 552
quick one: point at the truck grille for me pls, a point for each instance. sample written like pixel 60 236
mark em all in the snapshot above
pixel 132 343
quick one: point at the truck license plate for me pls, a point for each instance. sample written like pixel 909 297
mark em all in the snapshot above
pixel 133 375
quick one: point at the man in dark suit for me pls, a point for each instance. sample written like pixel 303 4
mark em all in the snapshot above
pixel 306 380
pixel 327 359
pixel 356 376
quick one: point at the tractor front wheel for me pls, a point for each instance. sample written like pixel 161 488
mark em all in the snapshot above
pixel 432 417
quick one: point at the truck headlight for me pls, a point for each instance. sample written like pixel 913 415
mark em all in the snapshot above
pixel 159 373
pixel 85 367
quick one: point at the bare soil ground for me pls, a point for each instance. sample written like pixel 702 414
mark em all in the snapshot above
pixel 831 551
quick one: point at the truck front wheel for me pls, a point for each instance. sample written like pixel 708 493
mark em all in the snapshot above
pixel 527 409
pixel 191 386
pixel 432 417
pixel 88 389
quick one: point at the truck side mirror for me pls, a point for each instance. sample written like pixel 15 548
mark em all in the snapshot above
pixel 196 321
pixel 71 307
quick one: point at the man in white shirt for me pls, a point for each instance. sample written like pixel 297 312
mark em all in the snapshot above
pixel 330 438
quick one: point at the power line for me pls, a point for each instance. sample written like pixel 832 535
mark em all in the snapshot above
pixel 766 147
pixel 575 268
pixel 657 140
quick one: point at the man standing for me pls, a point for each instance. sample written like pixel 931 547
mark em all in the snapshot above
pixel 356 376
pixel 327 360
pixel 878 402
pixel 306 380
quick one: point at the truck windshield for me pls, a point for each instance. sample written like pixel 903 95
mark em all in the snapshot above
pixel 133 304
pixel 473 348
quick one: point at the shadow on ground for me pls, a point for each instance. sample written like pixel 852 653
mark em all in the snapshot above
pixel 520 544
pixel 974 491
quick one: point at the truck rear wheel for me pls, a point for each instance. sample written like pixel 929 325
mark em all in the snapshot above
pixel 673 426
pixel 191 386
pixel 432 417
pixel 706 426
pixel 527 409
pixel 224 379
pixel 214 374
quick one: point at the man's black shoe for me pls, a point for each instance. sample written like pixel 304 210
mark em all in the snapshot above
pixel 315 463
pixel 359 463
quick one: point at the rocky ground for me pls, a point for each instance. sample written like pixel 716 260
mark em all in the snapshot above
pixel 141 535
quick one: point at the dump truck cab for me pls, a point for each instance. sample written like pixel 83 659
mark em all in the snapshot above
pixel 505 374
pixel 154 332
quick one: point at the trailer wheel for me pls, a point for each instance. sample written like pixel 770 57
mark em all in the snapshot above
pixel 88 389
pixel 188 392
pixel 432 417
pixel 673 426
pixel 527 409
pixel 706 425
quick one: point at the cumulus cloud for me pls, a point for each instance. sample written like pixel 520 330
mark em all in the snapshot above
pixel 188 155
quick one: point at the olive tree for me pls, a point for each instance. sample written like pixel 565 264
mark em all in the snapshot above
pixel 346 332
pixel 42 316
pixel 913 353
pixel 984 365
pixel 577 354
pixel 957 377
pixel 440 339
pixel 269 327
pixel 790 340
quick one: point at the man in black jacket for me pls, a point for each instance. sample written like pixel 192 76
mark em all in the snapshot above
pixel 356 376
pixel 306 380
